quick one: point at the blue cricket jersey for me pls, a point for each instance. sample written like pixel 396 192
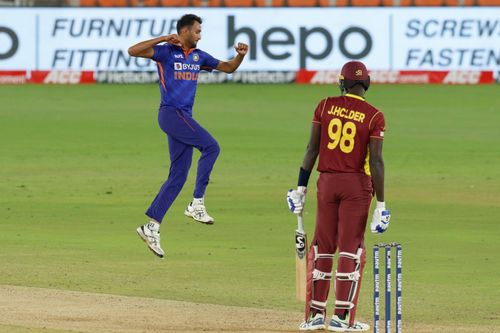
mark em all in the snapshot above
pixel 178 70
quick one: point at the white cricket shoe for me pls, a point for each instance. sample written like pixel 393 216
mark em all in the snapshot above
pixel 316 322
pixel 342 325
pixel 150 234
pixel 199 213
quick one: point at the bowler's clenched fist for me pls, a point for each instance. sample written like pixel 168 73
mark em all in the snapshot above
pixel 241 48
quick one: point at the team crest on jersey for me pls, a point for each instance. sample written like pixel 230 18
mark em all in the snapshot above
pixel 196 57
pixel 178 66
pixel 178 56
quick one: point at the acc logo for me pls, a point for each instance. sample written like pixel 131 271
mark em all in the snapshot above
pixel 196 57
pixel 178 66
pixel 359 72
pixel 300 245
pixel 178 56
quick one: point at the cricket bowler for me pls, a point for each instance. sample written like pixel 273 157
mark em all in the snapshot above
pixel 179 61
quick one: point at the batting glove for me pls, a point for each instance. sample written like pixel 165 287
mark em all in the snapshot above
pixel 380 219
pixel 296 199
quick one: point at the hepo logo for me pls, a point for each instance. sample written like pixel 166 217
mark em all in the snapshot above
pixel 7 33
pixel 268 40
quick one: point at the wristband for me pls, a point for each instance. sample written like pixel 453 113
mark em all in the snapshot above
pixel 303 177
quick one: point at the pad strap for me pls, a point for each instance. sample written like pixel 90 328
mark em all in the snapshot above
pixel 321 255
pixel 344 305
pixel 320 275
pixel 353 276
pixel 320 306
pixel 356 257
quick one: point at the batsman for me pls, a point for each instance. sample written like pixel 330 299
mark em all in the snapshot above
pixel 347 133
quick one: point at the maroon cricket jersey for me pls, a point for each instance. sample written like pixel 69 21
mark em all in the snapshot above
pixel 347 124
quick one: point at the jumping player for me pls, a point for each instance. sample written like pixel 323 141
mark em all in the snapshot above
pixel 347 133
pixel 179 62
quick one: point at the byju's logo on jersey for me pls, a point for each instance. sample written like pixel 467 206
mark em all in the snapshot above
pixel 178 56
pixel 179 66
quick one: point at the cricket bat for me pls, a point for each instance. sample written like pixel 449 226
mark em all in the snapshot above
pixel 300 259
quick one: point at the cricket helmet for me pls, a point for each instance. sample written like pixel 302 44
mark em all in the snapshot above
pixel 352 73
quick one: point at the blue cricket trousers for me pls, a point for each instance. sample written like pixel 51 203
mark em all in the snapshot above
pixel 183 133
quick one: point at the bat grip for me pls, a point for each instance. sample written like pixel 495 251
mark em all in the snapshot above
pixel 300 222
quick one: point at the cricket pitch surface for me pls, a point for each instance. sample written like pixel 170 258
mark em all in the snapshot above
pixel 27 309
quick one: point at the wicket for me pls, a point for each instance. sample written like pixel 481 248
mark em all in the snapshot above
pixel 376 287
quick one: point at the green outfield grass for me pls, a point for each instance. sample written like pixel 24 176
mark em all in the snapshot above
pixel 80 165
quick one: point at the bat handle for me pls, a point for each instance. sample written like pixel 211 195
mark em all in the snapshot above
pixel 300 222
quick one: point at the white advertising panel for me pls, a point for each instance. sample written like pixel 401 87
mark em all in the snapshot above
pixel 280 39
pixel 443 39
pixel 17 39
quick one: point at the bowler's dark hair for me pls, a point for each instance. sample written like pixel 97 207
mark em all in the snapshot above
pixel 187 21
